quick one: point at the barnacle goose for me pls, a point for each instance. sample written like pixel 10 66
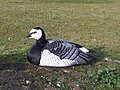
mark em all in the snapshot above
pixel 55 53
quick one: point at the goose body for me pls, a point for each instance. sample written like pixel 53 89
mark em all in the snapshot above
pixel 56 53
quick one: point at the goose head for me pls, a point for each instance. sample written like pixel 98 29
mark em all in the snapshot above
pixel 36 33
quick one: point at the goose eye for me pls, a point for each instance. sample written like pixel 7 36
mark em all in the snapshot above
pixel 33 32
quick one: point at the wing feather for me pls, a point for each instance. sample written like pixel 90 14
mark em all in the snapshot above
pixel 66 50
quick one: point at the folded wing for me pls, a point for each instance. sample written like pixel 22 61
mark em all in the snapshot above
pixel 65 50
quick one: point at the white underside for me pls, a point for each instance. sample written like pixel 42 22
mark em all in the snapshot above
pixel 49 59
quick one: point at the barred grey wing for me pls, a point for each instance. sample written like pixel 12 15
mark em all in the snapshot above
pixel 66 50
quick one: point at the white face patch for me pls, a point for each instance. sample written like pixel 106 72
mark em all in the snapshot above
pixel 36 34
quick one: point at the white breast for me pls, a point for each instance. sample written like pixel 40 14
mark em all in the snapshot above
pixel 49 59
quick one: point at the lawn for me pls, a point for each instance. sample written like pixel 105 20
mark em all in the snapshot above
pixel 92 23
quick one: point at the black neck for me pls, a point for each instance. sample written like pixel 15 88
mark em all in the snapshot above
pixel 42 41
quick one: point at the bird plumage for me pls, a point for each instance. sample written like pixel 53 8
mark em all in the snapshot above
pixel 65 50
pixel 58 53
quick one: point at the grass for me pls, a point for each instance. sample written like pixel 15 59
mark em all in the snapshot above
pixel 92 23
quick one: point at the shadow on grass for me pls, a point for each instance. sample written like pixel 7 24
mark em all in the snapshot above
pixel 14 72
pixel 13 61
pixel 98 53
pixel 19 61
pixel 18 74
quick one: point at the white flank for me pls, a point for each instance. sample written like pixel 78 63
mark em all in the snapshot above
pixel 49 59
pixel 84 50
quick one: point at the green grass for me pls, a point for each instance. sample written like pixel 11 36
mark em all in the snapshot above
pixel 92 23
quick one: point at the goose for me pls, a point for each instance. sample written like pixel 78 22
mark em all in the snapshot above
pixel 55 53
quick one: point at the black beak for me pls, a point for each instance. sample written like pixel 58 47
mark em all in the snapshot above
pixel 28 35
